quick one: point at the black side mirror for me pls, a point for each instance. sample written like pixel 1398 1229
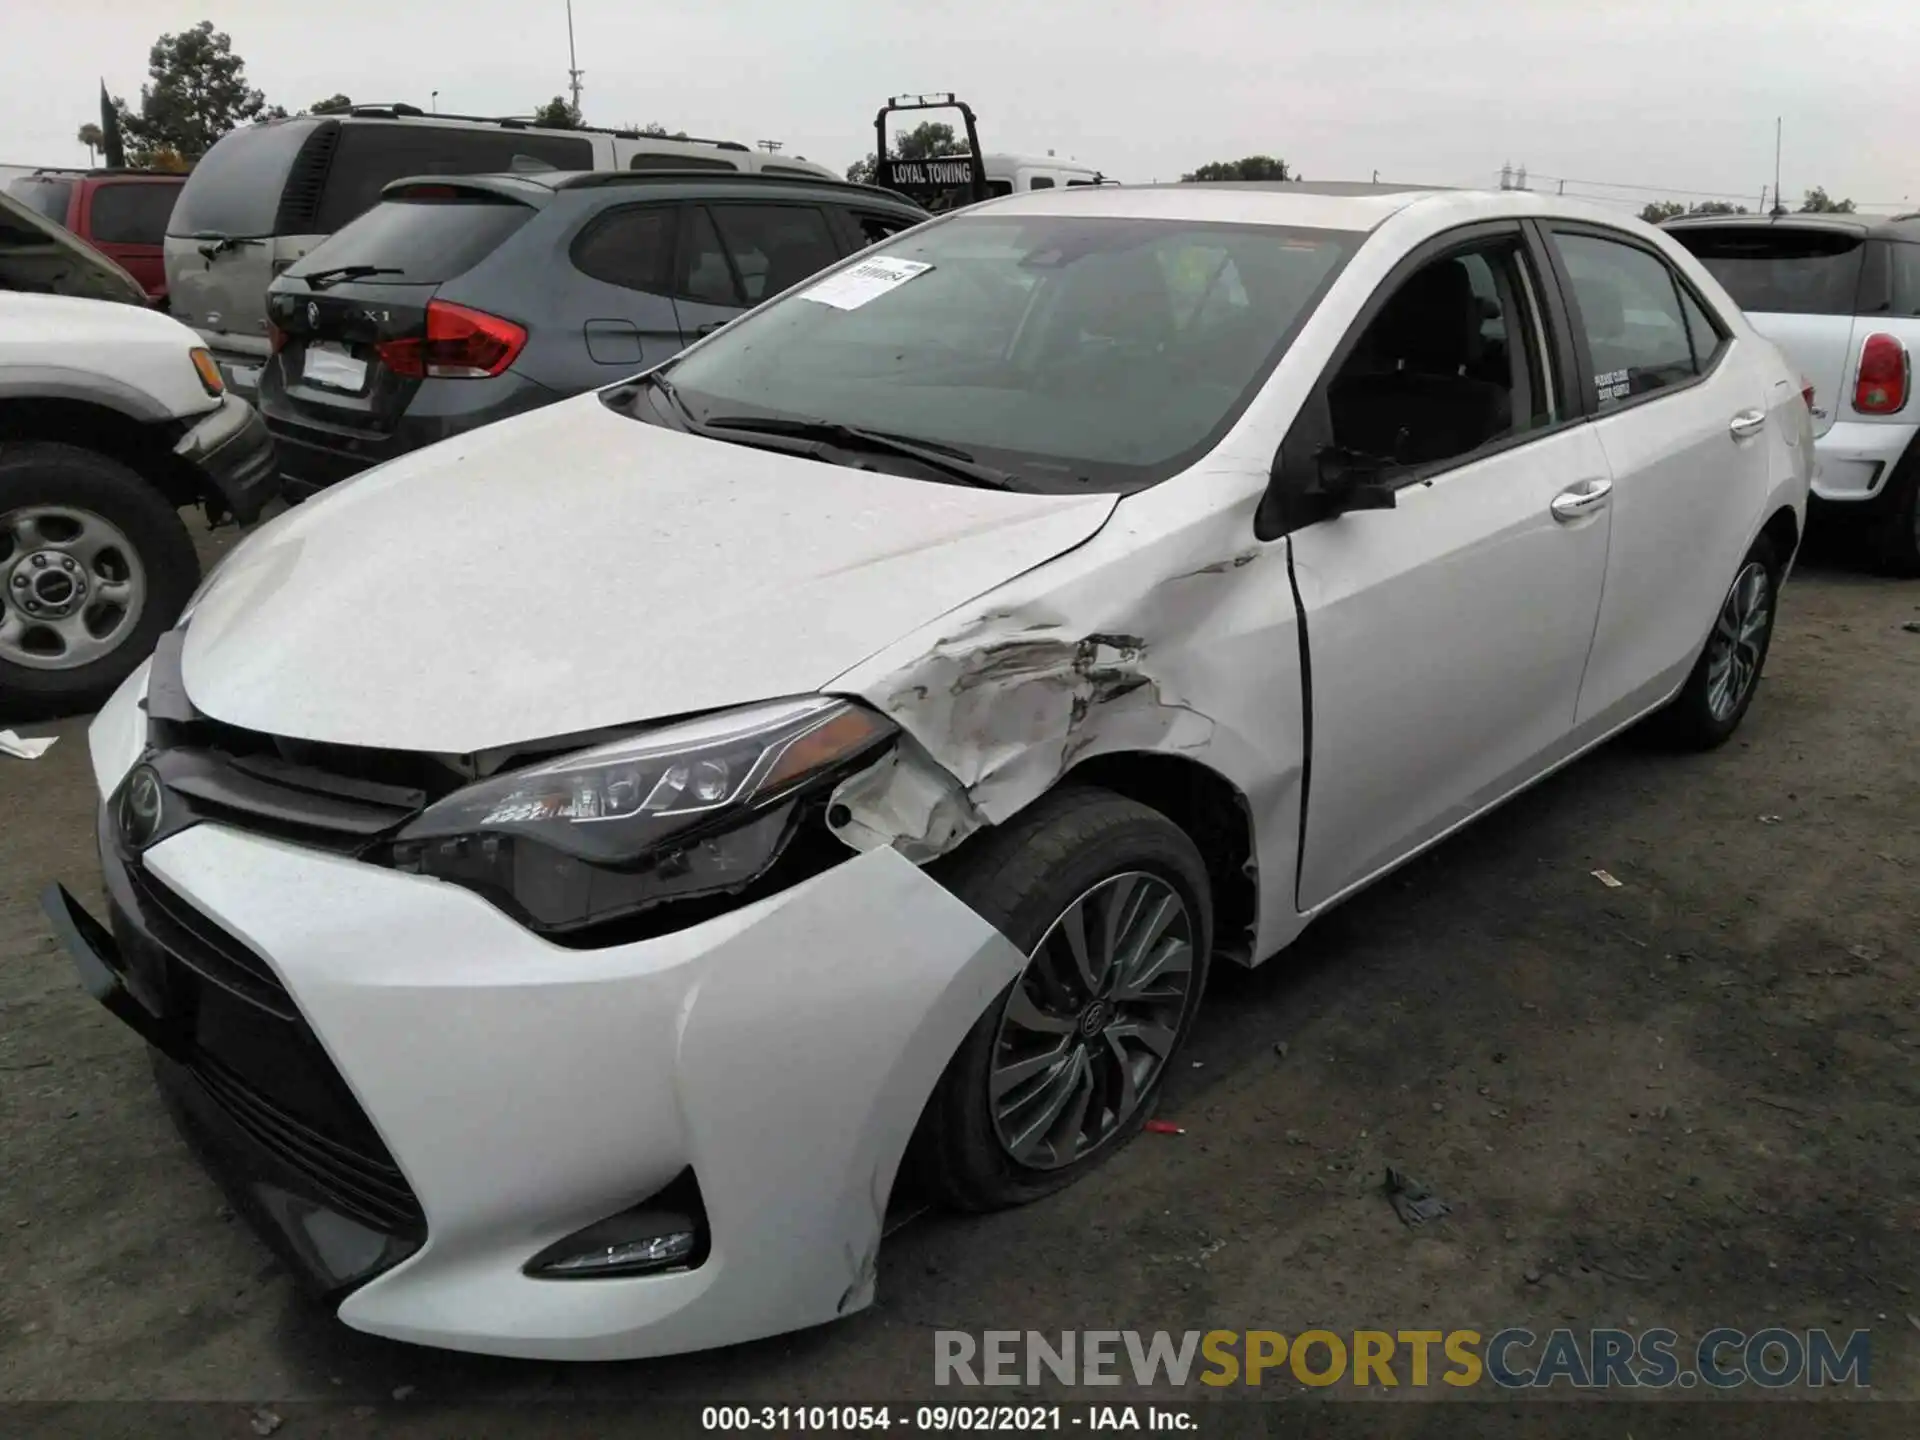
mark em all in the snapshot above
pixel 1353 480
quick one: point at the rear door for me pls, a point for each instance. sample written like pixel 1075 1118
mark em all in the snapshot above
pixel 127 221
pixel 736 253
pixel 1681 408
pixel 616 308
pixel 1799 285
pixel 344 344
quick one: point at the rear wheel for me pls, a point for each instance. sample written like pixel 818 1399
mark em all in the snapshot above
pixel 94 566
pixel 1897 535
pixel 1108 900
pixel 1711 705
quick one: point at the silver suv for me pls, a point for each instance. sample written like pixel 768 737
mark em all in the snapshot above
pixel 1840 296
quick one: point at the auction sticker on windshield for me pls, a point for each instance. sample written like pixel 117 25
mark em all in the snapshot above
pixel 868 280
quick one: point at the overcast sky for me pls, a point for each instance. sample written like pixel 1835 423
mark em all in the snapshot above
pixel 1679 94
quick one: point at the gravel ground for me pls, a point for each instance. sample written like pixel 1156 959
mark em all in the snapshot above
pixel 1686 1101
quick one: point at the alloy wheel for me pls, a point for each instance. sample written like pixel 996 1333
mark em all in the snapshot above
pixel 1739 637
pixel 1091 1021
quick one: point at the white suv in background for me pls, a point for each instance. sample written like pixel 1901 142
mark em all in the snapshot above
pixel 1840 294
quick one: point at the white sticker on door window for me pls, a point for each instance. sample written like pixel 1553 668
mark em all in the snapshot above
pixel 1612 385
pixel 868 280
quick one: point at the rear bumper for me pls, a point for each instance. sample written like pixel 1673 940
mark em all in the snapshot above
pixel 314 455
pixel 1856 461
pixel 233 449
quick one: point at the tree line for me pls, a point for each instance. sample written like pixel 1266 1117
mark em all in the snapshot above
pixel 1815 202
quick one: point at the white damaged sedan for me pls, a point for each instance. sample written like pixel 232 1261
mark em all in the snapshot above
pixel 566 876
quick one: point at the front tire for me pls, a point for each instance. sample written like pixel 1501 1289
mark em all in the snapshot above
pixel 1109 901
pixel 1713 702
pixel 94 566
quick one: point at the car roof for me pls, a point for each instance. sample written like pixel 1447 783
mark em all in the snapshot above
pixel 536 186
pixel 47 173
pixel 1353 206
pixel 1879 227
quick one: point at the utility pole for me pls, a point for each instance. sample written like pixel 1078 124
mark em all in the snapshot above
pixel 1376 177
pixel 574 71
pixel 1506 176
pixel 1776 162
pixel 772 147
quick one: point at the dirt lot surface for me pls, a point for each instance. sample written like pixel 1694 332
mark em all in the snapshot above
pixel 1686 1101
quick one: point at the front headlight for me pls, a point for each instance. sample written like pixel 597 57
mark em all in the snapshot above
pixel 692 809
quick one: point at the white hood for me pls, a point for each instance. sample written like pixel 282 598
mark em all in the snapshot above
pixel 573 569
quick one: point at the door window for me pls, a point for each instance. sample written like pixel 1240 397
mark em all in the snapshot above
pixel 134 213
pixel 774 246
pixel 1450 364
pixel 1629 305
pixel 705 275
pixel 631 247
pixel 1040 182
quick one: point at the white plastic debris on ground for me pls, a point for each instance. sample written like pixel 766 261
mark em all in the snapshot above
pixel 21 749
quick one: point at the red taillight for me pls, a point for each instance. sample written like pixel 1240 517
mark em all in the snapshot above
pixel 1806 391
pixel 276 338
pixel 1884 374
pixel 460 344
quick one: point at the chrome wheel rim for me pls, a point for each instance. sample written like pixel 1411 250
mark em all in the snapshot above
pixel 1739 637
pixel 72 587
pixel 1091 1021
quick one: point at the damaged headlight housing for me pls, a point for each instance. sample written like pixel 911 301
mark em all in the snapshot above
pixel 697 808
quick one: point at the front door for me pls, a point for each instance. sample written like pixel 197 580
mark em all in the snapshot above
pixel 1447 636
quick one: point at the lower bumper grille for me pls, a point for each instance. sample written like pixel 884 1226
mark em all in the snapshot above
pixel 366 1187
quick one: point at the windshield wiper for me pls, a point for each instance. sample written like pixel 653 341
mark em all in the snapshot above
pixel 947 459
pixel 319 278
pixel 215 243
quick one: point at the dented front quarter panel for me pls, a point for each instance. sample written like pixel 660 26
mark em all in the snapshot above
pixel 1171 631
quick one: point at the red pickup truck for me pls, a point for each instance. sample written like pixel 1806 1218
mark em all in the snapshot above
pixel 121 213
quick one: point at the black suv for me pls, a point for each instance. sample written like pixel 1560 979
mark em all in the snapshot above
pixel 457 301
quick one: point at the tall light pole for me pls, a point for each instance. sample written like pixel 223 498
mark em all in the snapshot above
pixel 573 63
pixel 436 102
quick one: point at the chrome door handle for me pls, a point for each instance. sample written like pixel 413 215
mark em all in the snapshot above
pixel 1578 501
pixel 1747 422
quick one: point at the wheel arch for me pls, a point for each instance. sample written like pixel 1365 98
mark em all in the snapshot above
pixel 1782 531
pixel 141 443
pixel 1214 814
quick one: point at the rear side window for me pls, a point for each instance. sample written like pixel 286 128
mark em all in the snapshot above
pixel 997 188
pixel 1905 260
pixel 632 248
pixel 1040 182
pixel 373 155
pixel 774 246
pixel 425 241
pixel 235 189
pixel 1780 270
pixel 131 214
pixel 1630 310
pixel 1702 329
pixel 49 197
pixel 680 162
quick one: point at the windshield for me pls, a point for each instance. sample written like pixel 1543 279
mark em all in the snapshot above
pixel 1070 352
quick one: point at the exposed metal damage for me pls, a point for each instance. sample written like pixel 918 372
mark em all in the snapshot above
pixel 1015 697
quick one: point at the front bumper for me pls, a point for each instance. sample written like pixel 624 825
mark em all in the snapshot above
pixel 783 1052
pixel 233 451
